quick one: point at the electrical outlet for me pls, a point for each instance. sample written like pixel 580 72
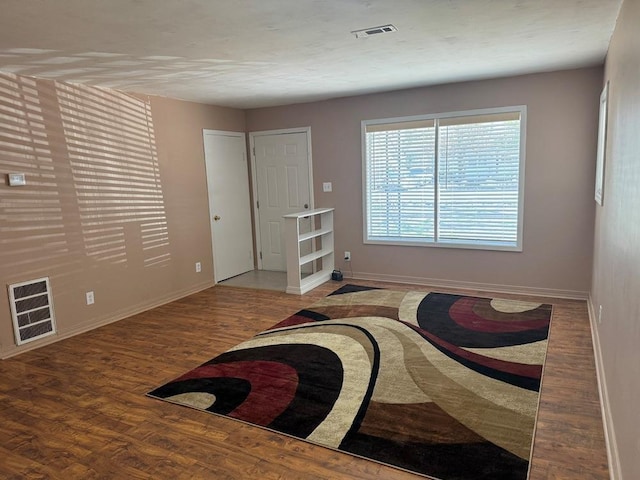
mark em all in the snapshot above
pixel 198 267
pixel 347 256
pixel 90 298
pixel 327 187
pixel 600 315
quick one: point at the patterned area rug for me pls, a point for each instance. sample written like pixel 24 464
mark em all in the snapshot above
pixel 441 385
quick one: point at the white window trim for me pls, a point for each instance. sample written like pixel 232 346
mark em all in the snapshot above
pixel 522 109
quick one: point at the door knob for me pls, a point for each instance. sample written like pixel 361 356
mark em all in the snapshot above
pixel 306 205
pixel 216 218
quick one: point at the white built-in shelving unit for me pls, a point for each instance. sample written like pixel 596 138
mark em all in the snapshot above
pixel 320 237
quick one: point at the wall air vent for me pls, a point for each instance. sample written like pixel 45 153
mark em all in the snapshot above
pixel 368 32
pixel 31 310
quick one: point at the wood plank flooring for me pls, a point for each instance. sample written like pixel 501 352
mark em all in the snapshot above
pixel 77 409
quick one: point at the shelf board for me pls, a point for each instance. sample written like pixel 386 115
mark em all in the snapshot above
pixel 315 255
pixel 309 213
pixel 314 233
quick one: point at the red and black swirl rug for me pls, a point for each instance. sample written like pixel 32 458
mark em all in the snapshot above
pixel 441 385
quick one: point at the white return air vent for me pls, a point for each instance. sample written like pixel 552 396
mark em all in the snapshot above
pixel 368 32
pixel 31 310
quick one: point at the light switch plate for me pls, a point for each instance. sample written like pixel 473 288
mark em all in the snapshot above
pixel 17 179
pixel 327 187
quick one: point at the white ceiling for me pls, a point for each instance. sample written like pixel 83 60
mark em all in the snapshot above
pixel 255 53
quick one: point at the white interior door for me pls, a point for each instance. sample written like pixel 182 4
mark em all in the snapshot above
pixel 282 170
pixel 229 203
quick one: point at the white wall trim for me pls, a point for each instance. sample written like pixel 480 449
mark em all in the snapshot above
pixel 227 133
pixel 111 318
pixel 489 287
pixel 615 470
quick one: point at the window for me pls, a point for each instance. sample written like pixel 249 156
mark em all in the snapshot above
pixel 452 180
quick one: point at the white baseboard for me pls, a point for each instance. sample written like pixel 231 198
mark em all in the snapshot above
pixel 110 318
pixel 615 471
pixel 489 287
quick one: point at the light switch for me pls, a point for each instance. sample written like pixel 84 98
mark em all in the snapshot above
pixel 17 180
pixel 327 187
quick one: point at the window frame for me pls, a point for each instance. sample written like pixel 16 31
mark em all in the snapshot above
pixel 518 247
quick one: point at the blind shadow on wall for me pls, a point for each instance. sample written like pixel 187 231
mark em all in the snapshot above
pixel 93 195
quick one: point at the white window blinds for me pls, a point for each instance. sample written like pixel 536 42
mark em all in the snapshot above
pixel 450 180
pixel 400 177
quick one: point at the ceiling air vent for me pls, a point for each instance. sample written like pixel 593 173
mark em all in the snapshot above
pixel 31 310
pixel 368 32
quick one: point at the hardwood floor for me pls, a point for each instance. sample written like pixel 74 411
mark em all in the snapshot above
pixel 77 409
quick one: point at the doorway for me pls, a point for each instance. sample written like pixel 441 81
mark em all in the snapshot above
pixel 229 203
pixel 282 184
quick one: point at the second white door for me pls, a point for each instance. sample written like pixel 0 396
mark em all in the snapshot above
pixel 282 165
pixel 229 204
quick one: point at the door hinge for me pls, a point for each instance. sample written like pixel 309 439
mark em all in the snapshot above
pixel 260 255
pixel 253 149
pixel 258 204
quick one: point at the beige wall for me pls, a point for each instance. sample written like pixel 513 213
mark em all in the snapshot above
pixel 560 153
pixel 90 221
pixel 616 267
